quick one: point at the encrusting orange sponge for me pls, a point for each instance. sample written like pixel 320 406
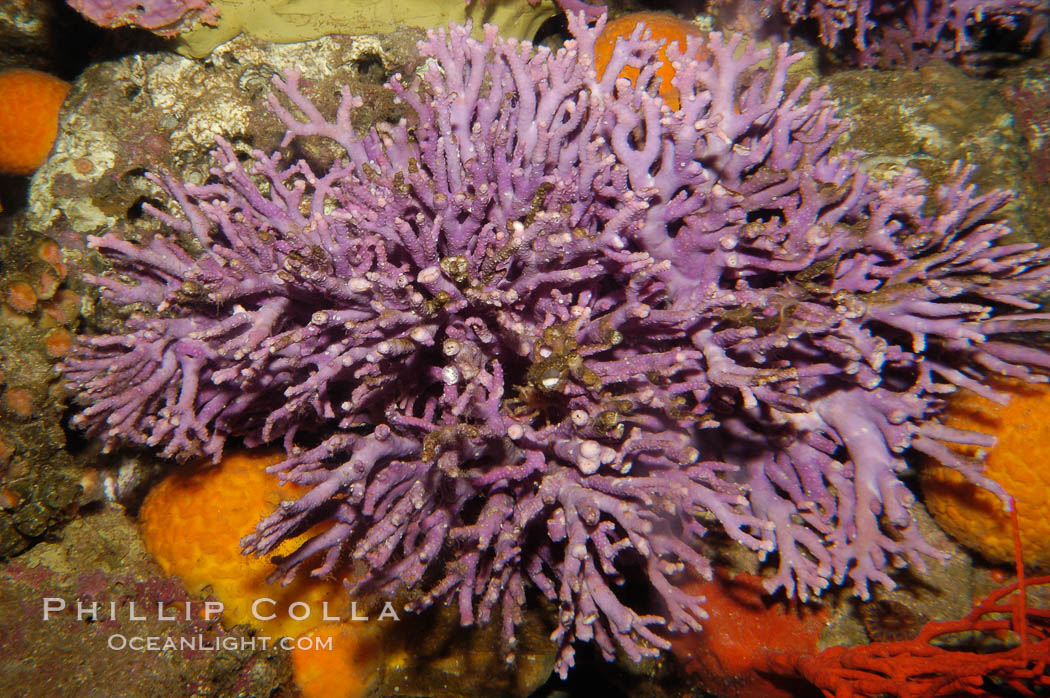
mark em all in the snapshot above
pixel 192 523
pixel 1018 462
pixel 745 631
pixel 29 103
pixel 665 28
pixel 345 671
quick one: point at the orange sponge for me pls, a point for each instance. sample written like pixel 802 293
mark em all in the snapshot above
pixel 1018 462
pixel 665 28
pixel 746 631
pixel 192 524
pixel 29 103
pixel 337 661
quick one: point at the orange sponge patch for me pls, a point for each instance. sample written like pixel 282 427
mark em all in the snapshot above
pixel 1018 462
pixel 29 103
pixel 343 671
pixel 664 28
pixel 193 522
pixel 745 631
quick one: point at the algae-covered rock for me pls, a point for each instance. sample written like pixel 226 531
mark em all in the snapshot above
pixel 25 35
pixel 160 113
pixel 431 655
pixel 38 481
pixel 1026 90
pixel 130 647
pixel 928 118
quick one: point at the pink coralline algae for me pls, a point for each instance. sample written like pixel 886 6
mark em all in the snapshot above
pixel 911 32
pixel 164 17
pixel 547 333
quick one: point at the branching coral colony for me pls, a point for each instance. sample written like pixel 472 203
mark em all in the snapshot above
pixel 548 333
pixel 912 32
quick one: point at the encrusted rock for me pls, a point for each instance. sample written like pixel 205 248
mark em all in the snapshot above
pixel 94 180
pixel 38 482
pixel 928 118
pixel 1026 91
pixel 99 559
pixel 943 592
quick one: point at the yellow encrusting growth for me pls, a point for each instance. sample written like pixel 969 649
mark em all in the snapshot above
pixel 1019 462
pixel 292 21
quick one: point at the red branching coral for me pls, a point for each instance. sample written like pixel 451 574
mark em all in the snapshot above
pixel 921 669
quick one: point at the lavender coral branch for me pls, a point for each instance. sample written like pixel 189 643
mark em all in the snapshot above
pixel 911 32
pixel 548 332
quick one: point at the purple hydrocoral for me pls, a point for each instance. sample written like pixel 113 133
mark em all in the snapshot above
pixel 911 32
pixel 165 17
pixel 549 331
pixel 888 32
